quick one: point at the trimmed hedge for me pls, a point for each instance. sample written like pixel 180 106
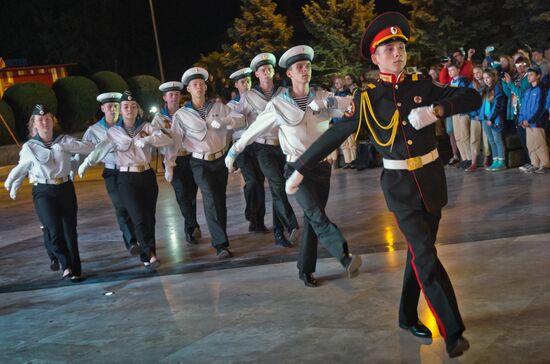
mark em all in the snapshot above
pixel 76 96
pixel 108 81
pixel 22 97
pixel 9 118
pixel 146 91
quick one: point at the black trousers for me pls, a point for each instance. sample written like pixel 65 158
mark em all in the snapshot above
pixel 425 272
pixel 272 164
pixel 110 177
pixel 254 193
pixel 138 192
pixel 186 189
pixel 211 177
pixel 56 208
pixel 312 196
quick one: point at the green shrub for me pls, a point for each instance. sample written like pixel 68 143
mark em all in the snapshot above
pixel 108 81
pixel 22 97
pixel 146 91
pixel 76 96
pixel 9 118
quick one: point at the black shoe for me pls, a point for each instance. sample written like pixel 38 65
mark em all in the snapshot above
pixel 251 227
pixel 352 263
pixel 309 279
pixel 281 240
pixel 134 249
pixel 191 239
pixel 54 265
pixel 464 164
pixel 418 329
pixel 261 229
pixel 197 233
pixel 457 346
pixel 223 253
pixel 294 236
pixel 76 279
pixel 346 166
pixel 352 165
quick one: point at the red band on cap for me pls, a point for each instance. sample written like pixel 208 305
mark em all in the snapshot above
pixel 385 34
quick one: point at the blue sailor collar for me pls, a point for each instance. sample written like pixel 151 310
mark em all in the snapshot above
pixel 139 122
pixel 286 95
pixel 207 106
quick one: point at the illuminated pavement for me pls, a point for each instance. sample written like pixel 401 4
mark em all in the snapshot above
pixel 494 243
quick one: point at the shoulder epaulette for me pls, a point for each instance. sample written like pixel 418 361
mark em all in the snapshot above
pixel 371 85
pixel 415 76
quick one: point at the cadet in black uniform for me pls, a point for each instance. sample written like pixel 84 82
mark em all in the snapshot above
pixel 399 112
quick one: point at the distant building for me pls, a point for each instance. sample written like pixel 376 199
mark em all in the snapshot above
pixel 10 76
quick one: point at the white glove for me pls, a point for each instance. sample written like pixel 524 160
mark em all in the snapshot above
pixel 168 172
pixel 13 192
pixel 83 168
pixel 140 143
pixel 422 117
pixel 292 183
pixel 230 159
pixel 57 146
pixel 313 106
pixel 7 184
pixel 216 124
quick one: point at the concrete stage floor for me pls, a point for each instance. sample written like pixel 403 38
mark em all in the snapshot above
pixel 494 242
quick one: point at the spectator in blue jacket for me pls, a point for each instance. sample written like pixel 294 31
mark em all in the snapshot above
pixel 492 114
pixel 533 117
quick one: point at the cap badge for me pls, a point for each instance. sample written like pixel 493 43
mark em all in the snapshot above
pixel 393 30
pixel 417 99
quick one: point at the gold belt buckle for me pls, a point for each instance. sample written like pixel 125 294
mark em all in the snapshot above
pixel 414 163
pixel 57 181
pixel 140 168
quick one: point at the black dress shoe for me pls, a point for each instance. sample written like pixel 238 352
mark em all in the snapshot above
pixel 133 249
pixel 261 229
pixel 352 263
pixel 197 233
pixel 54 265
pixel 76 279
pixel 418 329
pixel 457 346
pixel 309 279
pixel 191 239
pixel 223 253
pixel 251 227
pixel 281 240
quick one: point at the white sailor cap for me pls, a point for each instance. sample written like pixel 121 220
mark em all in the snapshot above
pixel 171 86
pixel 296 54
pixel 242 73
pixel 261 59
pixel 107 97
pixel 193 73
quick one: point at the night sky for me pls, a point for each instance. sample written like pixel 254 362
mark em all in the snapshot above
pixel 186 29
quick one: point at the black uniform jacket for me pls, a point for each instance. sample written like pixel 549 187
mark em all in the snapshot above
pixel 403 189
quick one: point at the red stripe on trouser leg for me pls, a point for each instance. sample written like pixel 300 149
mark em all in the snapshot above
pixel 439 322
pixel 437 318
